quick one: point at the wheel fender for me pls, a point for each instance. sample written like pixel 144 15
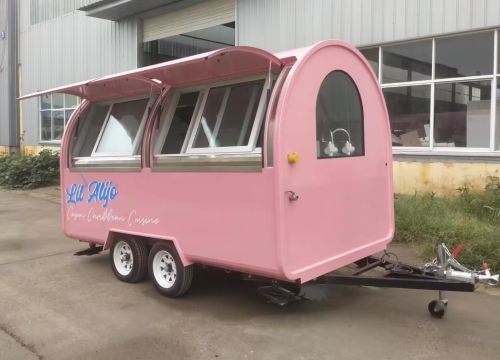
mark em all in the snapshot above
pixel 115 233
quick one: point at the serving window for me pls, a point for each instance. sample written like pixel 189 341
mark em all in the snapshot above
pixel 222 119
pixel 228 121
pixel 339 118
pixel 112 131
pixel 180 123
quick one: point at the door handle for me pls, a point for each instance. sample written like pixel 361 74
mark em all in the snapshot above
pixel 292 196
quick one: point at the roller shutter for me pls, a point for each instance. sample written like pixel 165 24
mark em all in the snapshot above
pixel 195 17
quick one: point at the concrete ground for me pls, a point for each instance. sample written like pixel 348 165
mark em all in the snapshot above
pixel 54 305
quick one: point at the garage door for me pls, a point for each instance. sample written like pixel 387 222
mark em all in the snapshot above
pixel 196 17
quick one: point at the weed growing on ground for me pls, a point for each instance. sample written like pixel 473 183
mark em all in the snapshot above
pixel 472 219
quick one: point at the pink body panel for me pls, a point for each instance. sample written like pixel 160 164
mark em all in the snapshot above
pixel 244 221
pixel 221 219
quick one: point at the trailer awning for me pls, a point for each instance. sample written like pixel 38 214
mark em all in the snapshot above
pixel 105 90
pixel 216 65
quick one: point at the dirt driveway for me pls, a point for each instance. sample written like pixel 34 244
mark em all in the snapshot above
pixel 54 305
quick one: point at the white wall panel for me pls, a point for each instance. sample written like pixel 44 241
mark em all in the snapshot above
pixel 399 19
pixel 411 19
pixel 450 18
pixel 424 17
pixel 366 26
pixel 464 14
pixel 492 12
pixel 377 26
pixel 478 13
pixel 387 18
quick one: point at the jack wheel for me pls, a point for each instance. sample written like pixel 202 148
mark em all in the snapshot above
pixel 437 308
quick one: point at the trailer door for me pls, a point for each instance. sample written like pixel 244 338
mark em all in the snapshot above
pixel 334 163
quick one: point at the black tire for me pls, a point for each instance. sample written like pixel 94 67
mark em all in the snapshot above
pixel 140 259
pixel 181 278
pixel 432 310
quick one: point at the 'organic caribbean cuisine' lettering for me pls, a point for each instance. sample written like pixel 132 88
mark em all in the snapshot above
pixel 108 215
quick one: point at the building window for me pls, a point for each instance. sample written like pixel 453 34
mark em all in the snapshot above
pixel 407 62
pixel 409 110
pixel 462 113
pixel 55 111
pixel 44 10
pixel 438 92
pixel 464 55
pixel 339 117
pixel 372 55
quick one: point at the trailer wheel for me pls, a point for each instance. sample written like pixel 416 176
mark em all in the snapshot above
pixel 129 259
pixel 437 308
pixel 170 277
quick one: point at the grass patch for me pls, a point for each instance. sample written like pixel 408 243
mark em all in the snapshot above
pixel 472 219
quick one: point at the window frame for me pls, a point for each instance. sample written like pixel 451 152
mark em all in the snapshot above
pixel 431 109
pixel 363 152
pixel 168 116
pixel 64 109
pixel 114 155
pixel 187 149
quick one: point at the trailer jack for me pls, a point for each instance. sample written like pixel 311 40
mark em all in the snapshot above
pixel 93 249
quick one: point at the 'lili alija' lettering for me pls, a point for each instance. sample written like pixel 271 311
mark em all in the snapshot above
pixel 102 191
pixel 99 191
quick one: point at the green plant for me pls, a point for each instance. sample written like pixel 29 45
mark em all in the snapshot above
pixel 470 220
pixel 20 171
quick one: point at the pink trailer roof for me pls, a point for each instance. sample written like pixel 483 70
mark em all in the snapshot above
pixel 202 68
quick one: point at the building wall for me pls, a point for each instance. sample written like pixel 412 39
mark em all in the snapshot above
pixel 68 49
pixel 441 178
pixel 4 77
pixel 9 135
pixel 277 25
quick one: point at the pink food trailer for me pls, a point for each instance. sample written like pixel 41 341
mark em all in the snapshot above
pixel 276 166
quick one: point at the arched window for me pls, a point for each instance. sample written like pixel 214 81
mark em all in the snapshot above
pixel 339 118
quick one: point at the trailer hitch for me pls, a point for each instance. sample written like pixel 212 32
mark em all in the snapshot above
pixel 445 266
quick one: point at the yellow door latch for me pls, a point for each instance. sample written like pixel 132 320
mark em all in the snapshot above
pixel 293 158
